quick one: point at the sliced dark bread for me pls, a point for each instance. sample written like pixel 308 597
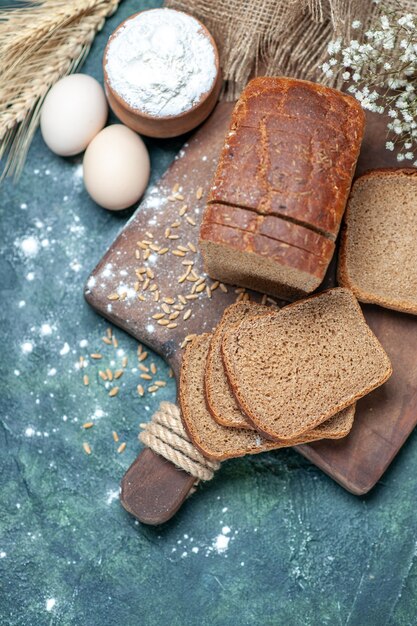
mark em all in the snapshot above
pixel 214 441
pixel 270 226
pixel 220 399
pixel 292 370
pixel 378 254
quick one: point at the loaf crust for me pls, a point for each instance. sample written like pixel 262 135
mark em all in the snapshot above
pixel 291 151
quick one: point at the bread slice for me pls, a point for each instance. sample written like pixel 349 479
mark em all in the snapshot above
pixel 292 370
pixel 377 259
pixel 220 399
pixel 214 441
pixel 260 263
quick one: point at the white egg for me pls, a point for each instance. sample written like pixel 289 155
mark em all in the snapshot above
pixel 116 168
pixel 74 111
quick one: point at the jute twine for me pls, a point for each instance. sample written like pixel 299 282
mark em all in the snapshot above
pixel 282 37
pixel 165 435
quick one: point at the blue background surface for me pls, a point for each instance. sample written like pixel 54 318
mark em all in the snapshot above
pixel 271 540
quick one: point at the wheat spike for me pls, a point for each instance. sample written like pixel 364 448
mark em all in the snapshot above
pixel 39 44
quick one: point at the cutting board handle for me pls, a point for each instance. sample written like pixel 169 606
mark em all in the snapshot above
pixel 153 489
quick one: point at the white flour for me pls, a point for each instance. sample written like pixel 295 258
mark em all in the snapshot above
pixel 161 62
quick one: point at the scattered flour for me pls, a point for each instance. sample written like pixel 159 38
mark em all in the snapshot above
pixel 112 495
pixel 218 545
pixel 76 265
pixel 78 172
pixel 29 246
pixel 65 349
pixel 107 272
pixel 50 603
pixel 46 330
pixel 221 543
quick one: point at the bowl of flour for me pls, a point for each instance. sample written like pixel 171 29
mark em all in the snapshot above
pixel 161 72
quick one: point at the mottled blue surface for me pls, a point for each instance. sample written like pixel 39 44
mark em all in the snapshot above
pixel 271 540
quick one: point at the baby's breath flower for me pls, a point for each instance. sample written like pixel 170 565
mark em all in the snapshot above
pixel 382 71
pixel 389 43
pixel 384 22
pixel 334 46
pixel 406 20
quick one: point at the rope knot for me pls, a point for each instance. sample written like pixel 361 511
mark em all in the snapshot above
pixel 165 435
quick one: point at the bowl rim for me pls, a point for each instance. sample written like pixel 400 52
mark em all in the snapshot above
pixel 138 112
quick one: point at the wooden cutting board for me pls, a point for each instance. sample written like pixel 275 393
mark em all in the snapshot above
pixel 152 490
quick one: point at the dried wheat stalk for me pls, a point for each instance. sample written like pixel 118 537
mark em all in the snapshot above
pixel 38 45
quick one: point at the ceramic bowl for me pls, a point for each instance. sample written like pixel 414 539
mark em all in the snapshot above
pixel 163 126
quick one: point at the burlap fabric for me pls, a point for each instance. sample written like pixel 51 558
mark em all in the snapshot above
pixel 281 37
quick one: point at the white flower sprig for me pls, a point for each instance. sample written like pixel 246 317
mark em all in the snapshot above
pixel 382 75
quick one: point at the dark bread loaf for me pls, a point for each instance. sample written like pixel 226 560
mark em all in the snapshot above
pixel 294 159
pixel 221 401
pixel 314 358
pixel 377 258
pixel 290 153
